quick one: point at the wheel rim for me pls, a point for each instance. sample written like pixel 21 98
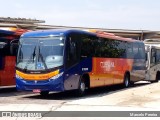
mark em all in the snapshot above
pixel 126 82
pixel 82 86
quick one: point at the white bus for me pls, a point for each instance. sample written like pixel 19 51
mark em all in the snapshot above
pixel 152 60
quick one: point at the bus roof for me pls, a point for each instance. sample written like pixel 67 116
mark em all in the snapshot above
pixel 6 32
pixel 46 33
pixel 59 32
pixel 114 37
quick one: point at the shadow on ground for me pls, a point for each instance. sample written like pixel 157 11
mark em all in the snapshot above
pixel 7 90
pixel 94 92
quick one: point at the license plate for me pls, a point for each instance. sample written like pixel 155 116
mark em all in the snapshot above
pixel 36 90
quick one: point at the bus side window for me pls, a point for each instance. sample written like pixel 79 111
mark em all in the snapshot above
pixel 88 46
pixel 141 51
pixel 153 56
pixel 129 50
pixel 121 47
pixel 135 51
pixel 72 51
pixel 157 56
pixel 113 48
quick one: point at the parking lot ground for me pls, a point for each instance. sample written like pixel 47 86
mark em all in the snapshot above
pixel 144 96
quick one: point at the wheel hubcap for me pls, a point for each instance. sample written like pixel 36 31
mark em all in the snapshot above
pixel 126 82
pixel 82 86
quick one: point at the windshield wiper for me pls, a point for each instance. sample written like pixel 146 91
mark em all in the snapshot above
pixel 30 59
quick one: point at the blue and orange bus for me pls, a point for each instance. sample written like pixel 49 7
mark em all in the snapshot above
pixel 59 60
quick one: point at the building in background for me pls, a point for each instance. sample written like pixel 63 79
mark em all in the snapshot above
pixel 12 28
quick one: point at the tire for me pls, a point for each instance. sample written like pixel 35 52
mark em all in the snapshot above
pixel 126 82
pixel 44 93
pixel 81 88
pixel 157 78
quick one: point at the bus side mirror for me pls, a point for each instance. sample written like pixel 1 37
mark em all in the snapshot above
pixel 2 45
pixel 14 47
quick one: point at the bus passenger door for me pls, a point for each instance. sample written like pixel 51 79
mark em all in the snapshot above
pixel 72 66
pixel 147 52
pixel 153 66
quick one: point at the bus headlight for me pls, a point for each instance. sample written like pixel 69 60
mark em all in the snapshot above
pixel 57 76
pixel 17 76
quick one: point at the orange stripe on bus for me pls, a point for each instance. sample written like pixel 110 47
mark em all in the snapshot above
pixel 37 76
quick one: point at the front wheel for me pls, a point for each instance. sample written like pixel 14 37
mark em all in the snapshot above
pixel 44 93
pixel 81 88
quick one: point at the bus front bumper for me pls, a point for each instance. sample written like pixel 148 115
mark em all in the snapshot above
pixel 42 85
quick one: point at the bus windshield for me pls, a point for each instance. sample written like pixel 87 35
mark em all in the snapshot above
pixel 40 53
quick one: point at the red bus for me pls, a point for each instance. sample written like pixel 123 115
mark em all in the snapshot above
pixel 8 45
pixel 59 60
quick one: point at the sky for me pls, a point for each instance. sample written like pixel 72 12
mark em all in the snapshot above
pixel 110 14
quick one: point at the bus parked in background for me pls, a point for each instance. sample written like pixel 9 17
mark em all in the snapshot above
pixel 153 60
pixel 59 60
pixel 8 47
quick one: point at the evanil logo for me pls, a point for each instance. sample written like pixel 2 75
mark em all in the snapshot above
pixel 107 65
